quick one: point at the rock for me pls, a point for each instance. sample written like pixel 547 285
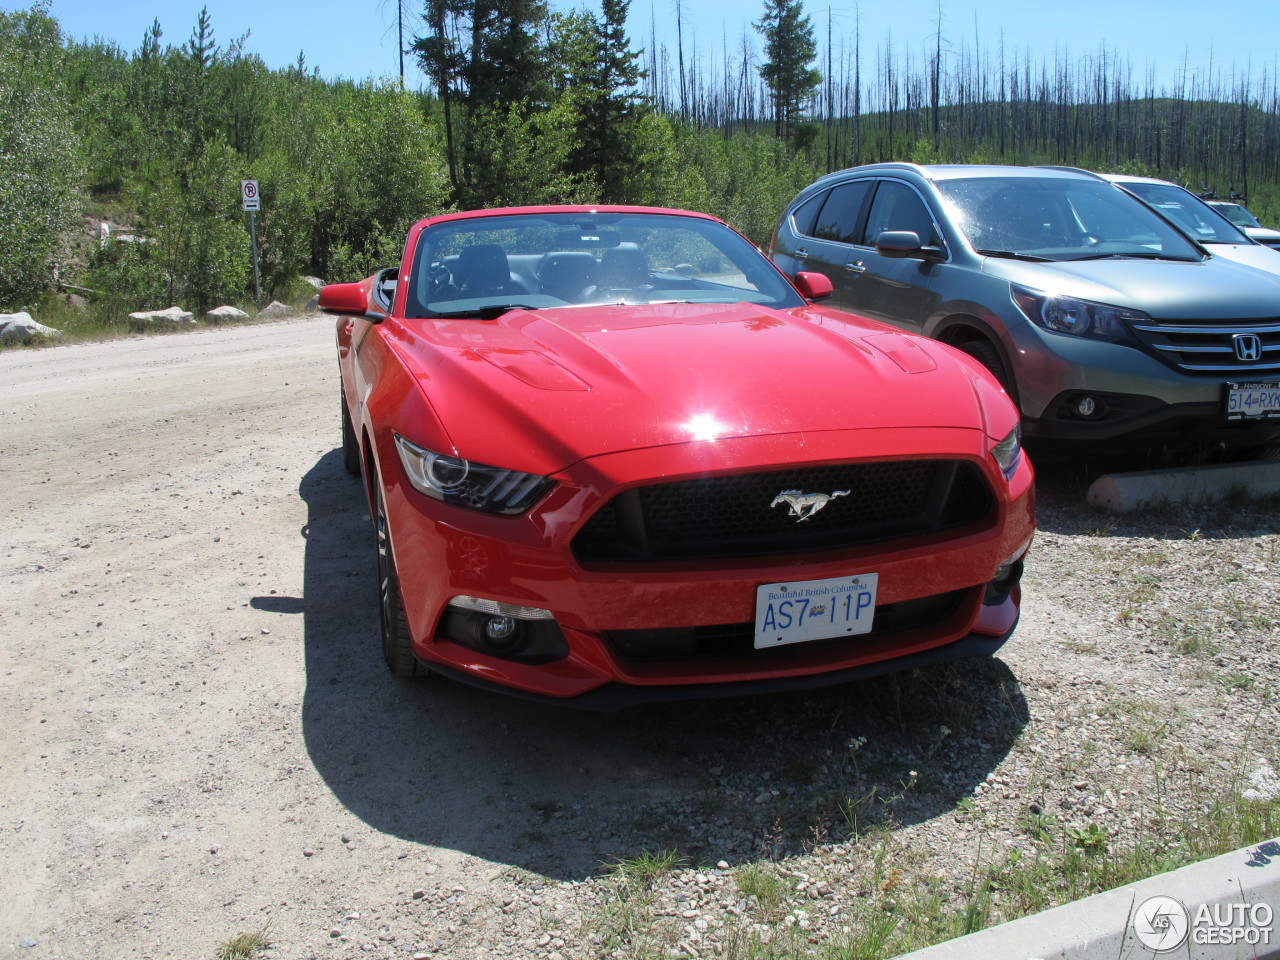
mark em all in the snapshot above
pixel 169 317
pixel 315 282
pixel 313 304
pixel 23 328
pixel 276 310
pixel 226 314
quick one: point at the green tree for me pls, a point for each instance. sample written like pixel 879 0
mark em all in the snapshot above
pixel 787 71
pixel 40 169
pixel 599 72
pixel 486 56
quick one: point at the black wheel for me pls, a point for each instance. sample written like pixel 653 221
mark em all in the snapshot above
pixel 350 447
pixel 397 647
pixel 986 355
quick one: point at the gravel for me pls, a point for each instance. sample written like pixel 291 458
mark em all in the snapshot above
pixel 200 739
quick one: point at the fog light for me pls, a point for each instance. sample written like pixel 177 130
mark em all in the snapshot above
pixel 1086 407
pixel 507 630
pixel 1007 576
pixel 497 630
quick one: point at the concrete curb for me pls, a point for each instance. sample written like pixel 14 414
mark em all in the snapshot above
pixel 1125 492
pixel 1101 927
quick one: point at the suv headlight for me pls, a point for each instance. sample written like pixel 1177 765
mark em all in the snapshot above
pixel 1083 318
pixel 465 483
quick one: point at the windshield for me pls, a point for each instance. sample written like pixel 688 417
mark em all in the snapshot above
pixel 486 265
pixel 1196 218
pixel 1059 218
pixel 1237 214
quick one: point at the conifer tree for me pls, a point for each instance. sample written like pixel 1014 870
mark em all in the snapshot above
pixel 789 51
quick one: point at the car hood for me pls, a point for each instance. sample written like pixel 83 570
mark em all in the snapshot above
pixel 1250 254
pixel 1211 289
pixel 541 390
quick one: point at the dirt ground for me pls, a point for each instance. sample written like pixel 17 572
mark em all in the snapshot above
pixel 198 737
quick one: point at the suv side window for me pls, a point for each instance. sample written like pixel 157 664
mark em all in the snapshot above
pixel 805 214
pixel 839 218
pixel 897 207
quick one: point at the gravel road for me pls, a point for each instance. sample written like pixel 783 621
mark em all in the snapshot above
pixel 198 739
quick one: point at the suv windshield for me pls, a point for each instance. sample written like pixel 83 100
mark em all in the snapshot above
pixel 1055 218
pixel 1193 215
pixel 484 265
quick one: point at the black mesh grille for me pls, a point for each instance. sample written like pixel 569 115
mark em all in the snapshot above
pixel 733 639
pixel 763 514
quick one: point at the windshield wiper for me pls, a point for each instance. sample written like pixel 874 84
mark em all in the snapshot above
pixel 1013 255
pixel 487 312
pixel 1132 256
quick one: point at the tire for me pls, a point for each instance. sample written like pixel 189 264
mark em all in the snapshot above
pixel 350 448
pixel 397 646
pixel 986 354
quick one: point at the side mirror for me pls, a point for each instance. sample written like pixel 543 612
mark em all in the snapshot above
pixel 814 286
pixel 344 298
pixel 905 244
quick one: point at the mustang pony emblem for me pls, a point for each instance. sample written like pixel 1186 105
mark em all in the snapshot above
pixel 802 506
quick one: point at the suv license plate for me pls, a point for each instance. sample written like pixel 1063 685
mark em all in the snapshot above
pixel 1249 400
pixel 814 609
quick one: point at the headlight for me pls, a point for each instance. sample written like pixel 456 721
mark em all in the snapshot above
pixel 1006 451
pixel 468 484
pixel 1083 318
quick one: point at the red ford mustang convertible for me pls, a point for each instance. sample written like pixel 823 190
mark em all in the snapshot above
pixel 613 455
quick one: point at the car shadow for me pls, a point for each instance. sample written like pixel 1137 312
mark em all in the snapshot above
pixel 561 792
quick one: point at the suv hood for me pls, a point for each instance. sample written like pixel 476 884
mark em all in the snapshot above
pixel 1212 289
pixel 541 390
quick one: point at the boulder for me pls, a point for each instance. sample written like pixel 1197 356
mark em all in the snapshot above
pixel 315 282
pixel 226 314
pixel 313 304
pixel 23 328
pixel 275 310
pixel 169 317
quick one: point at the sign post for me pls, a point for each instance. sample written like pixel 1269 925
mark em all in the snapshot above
pixel 251 203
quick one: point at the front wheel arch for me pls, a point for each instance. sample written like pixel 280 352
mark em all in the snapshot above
pixel 967 336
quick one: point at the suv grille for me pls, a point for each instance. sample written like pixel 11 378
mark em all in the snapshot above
pixel 744 516
pixel 1210 349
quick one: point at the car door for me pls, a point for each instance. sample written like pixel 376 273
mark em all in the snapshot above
pixel 895 290
pixel 826 227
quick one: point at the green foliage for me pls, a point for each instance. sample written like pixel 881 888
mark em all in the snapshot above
pixel 39 156
pixel 528 106
pixel 789 51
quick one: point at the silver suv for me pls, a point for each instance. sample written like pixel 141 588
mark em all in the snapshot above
pixel 1106 324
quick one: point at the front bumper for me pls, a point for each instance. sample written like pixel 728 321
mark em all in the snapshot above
pixel 1138 398
pixel 444 551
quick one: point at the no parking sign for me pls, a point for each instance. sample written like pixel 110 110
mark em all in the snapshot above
pixel 249 195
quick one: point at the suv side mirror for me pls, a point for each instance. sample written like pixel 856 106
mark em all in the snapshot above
pixel 905 244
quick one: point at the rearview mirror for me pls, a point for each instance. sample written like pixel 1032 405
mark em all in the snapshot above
pixel 814 286
pixel 344 298
pixel 904 244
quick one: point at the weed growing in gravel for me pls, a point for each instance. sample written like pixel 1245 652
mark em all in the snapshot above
pixel 762 882
pixel 244 945
pixel 624 926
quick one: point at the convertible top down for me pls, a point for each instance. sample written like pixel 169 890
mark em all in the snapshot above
pixel 614 455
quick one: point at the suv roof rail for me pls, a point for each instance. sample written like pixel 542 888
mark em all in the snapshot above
pixel 1069 169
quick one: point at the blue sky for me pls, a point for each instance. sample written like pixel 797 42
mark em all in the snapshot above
pixel 357 39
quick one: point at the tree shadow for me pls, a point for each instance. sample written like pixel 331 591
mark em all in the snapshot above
pixel 561 793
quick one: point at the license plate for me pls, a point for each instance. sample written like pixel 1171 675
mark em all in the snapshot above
pixel 1247 400
pixel 814 609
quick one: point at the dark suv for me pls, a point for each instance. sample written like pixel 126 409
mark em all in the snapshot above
pixel 1105 323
